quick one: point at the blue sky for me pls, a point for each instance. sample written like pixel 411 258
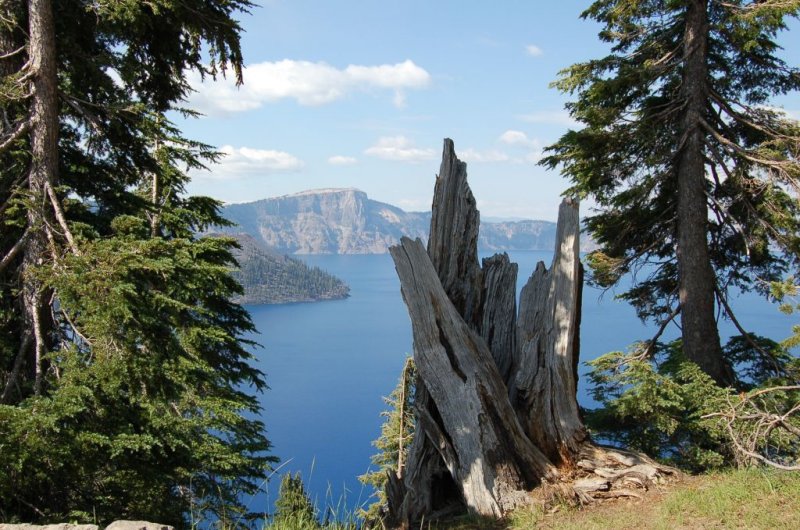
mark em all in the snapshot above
pixel 360 93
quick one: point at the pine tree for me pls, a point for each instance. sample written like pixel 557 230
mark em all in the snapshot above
pixel 397 432
pixel 126 383
pixel 690 168
pixel 294 509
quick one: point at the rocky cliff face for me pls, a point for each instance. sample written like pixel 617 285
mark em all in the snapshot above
pixel 336 221
pixel 346 221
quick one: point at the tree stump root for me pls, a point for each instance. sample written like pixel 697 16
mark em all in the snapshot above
pixel 601 473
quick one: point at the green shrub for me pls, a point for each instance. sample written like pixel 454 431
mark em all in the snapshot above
pixel 664 405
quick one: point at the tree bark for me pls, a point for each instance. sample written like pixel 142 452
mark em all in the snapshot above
pixel 498 325
pixel 544 390
pixel 701 340
pixel 452 246
pixel 478 436
pixel 43 174
pixel 453 242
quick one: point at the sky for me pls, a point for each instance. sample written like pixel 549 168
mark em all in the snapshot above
pixel 361 93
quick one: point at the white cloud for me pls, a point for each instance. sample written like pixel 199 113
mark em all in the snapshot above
pixel 339 160
pixel 533 50
pixel 519 139
pixel 306 82
pixel 399 148
pixel 512 137
pixel 472 155
pixel 554 117
pixel 245 161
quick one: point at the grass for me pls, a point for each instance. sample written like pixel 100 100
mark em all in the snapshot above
pixel 745 499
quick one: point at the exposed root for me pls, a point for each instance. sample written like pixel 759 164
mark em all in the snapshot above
pixel 604 473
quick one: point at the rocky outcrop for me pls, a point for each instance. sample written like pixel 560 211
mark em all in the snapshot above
pixel 62 526
pixel 116 525
pixel 346 221
pixel 333 221
pixel 137 525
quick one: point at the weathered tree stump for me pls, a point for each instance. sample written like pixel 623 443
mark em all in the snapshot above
pixel 544 389
pixel 496 407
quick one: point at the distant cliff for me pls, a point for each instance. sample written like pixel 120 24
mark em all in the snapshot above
pixel 272 278
pixel 346 221
pixel 339 221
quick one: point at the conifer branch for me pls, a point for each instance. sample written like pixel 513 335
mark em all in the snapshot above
pixel 728 311
pixel 759 424
pixel 651 344
pixel 62 221
pixel 726 216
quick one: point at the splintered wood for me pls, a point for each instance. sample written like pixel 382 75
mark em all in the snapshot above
pixel 496 407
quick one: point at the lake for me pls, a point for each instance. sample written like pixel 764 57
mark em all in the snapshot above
pixel 328 364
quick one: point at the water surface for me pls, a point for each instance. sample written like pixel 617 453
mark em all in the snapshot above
pixel 329 363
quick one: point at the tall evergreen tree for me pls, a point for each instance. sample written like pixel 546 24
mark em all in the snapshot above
pixel 125 383
pixel 692 171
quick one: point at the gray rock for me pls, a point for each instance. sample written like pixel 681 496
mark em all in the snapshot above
pixel 137 525
pixel 63 526
pixel 332 221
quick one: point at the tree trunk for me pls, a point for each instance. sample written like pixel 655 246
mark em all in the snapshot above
pixel 544 391
pixel 43 174
pixel 498 325
pixel 453 242
pixel 701 341
pixel 484 332
pixel 477 435
pixel 496 407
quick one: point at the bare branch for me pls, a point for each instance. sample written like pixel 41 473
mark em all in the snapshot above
pixel 39 346
pixel 93 120
pixel 652 342
pixel 13 53
pixel 781 166
pixel 75 328
pixel 15 135
pixel 18 246
pixel 59 213
pixel 751 427
pixel 730 111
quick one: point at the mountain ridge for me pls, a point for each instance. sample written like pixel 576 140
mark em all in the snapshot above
pixel 347 221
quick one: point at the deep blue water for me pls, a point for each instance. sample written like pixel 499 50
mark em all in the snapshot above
pixel 328 364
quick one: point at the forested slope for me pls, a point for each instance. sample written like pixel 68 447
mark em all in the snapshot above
pixel 271 278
